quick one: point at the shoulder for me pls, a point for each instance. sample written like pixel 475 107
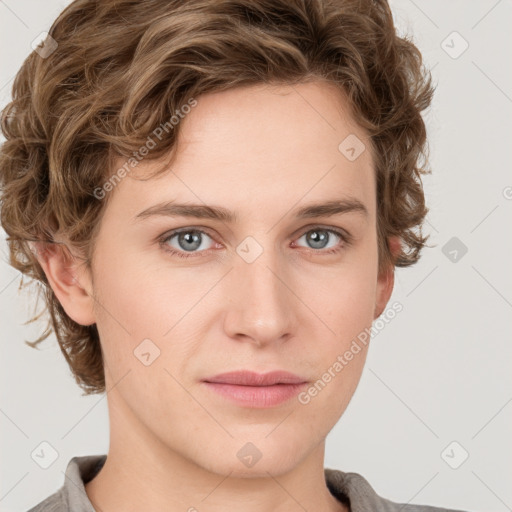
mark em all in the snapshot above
pixel 354 488
pixel 72 494
pixel 56 502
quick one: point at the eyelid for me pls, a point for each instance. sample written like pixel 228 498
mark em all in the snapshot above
pixel 337 230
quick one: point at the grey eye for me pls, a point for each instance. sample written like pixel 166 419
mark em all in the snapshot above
pixel 318 238
pixel 189 241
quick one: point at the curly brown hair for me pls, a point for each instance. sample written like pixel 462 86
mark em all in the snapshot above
pixel 120 68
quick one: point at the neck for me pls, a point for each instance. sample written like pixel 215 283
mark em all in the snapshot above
pixel 152 477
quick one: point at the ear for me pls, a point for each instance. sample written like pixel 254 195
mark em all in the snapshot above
pixel 386 279
pixel 70 280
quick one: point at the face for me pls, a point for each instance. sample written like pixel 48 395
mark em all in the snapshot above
pixel 267 290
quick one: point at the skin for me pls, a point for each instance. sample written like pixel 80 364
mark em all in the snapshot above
pixel 261 152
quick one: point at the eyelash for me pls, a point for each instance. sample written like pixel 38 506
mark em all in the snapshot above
pixel 345 237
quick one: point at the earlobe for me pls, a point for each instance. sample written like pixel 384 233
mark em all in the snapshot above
pixel 68 279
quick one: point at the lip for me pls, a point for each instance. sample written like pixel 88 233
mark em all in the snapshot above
pixel 255 390
pixel 249 378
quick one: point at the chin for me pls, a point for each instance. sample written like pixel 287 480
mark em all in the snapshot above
pixel 246 460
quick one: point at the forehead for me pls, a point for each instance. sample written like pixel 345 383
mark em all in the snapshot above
pixel 284 123
pixel 260 146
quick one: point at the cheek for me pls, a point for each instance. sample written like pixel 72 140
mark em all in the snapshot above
pixel 147 313
pixel 345 303
pixel 339 372
pixel 343 299
pixel 140 299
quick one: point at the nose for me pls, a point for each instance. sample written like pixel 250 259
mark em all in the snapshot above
pixel 261 303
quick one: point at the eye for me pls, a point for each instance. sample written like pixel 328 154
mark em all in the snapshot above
pixel 319 239
pixel 187 241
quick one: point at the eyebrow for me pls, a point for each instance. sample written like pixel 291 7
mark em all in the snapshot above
pixel 201 211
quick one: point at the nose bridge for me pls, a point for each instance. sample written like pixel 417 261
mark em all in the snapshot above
pixel 260 305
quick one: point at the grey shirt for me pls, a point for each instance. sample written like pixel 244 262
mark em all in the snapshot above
pixel 351 489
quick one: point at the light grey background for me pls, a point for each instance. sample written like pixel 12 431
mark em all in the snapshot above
pixel 439 372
